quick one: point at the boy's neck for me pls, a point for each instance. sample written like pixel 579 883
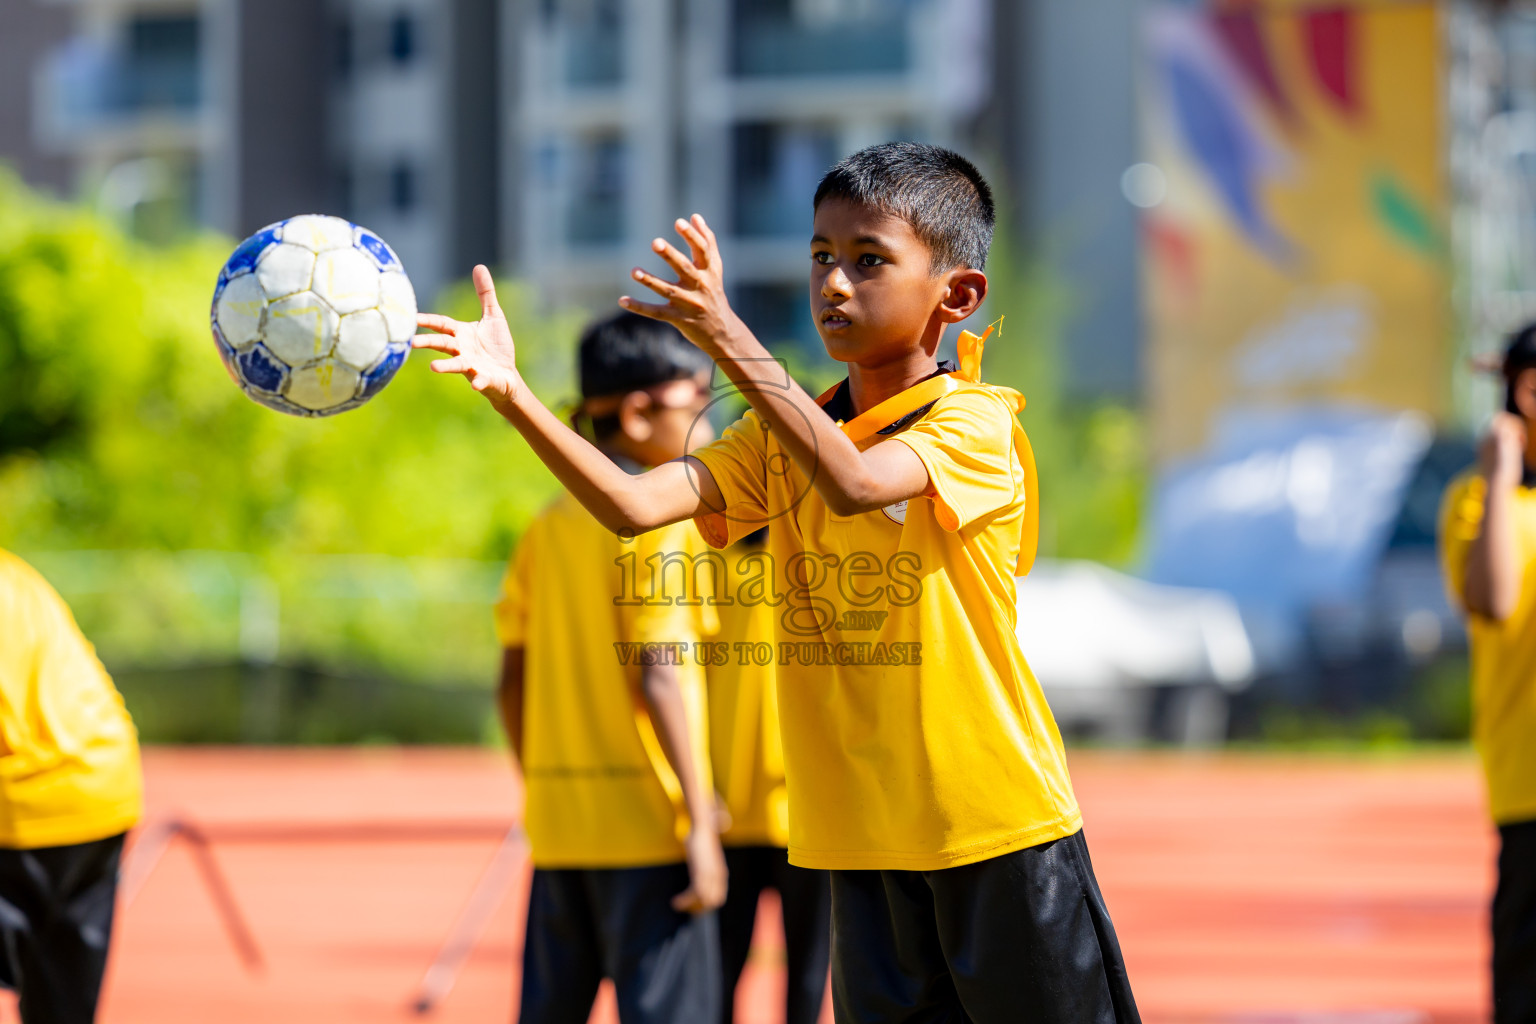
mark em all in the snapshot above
pixel 868 386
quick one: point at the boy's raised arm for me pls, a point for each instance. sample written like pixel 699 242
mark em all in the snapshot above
pixel 848 480
pixel 485 354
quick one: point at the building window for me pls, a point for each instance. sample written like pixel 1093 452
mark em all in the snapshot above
pixel 341 49
pixel 775 170
pixel 596 212
pixel 402 38
pixel 779 314
pixel 402 187
pixel 162 66
pixel 593 33
pixel 812 37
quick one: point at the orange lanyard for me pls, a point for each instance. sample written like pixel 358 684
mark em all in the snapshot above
pixel 969 347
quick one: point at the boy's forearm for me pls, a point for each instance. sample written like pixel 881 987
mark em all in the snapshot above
pixel 1493 578
pixel 835 465
pixel 669 716
pixel 618 500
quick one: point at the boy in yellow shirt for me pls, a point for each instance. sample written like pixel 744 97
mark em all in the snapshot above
pixel 603 701
pixel 69 791
pixel 746 753
pixel 1488 553
pixel 924 767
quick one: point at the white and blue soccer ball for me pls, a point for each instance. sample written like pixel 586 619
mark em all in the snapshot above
pixel 313 315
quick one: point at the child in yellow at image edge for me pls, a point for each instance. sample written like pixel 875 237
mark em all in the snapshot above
pixel 934 785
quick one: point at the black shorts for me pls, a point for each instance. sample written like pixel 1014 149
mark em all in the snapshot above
pixel 585 924
pixel 1023 937
pixel 56 922
pixel 806 899
pixel 1514 926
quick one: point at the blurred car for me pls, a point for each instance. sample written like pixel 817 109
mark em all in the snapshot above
pixel 1321 526
pixel 1124 660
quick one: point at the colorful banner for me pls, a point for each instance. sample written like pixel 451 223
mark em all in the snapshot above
pixel 1295 213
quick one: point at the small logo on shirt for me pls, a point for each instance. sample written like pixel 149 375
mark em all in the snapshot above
pixel 896 513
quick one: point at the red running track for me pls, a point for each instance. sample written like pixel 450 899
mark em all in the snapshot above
pixel 1251 889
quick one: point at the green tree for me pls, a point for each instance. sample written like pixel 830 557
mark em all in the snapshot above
pixel 1092 455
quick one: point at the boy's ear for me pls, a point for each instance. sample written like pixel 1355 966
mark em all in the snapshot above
pixel 967 288
pixel 632 420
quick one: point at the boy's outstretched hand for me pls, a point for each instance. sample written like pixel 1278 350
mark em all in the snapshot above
pixel 482 351
pixel 695 304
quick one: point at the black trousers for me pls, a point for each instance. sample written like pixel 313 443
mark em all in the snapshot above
pixel 806 898
pixel 56 923
pixel 1023 938
pixel 587 924
pixel 1514 926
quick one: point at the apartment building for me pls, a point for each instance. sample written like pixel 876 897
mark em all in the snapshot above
pixel 555 138
pixel 631 112
pixel 234 113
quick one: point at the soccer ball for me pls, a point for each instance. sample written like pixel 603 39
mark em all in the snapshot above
pixel 313 315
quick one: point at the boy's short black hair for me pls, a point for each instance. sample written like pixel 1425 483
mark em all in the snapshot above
pixel 627 352
pixel 936 190
pixel 1519 356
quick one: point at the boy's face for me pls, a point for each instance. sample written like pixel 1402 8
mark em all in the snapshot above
pixel 666 421
pixel 873 295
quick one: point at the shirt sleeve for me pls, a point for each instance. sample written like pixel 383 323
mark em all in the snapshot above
pixel 966 444
pixel 1461 520
pixel 738 462
pixel 512 605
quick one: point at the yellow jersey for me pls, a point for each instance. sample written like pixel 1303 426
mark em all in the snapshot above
pixel 1503 653
pixel 69 755
pixel 599 792
pixel 914 734
pixel 745 749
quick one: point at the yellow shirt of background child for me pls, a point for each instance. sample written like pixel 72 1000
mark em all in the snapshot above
pixel 69 755
pixel 598 789
pixel 915 735
pixel 745 748
pixel 1503 653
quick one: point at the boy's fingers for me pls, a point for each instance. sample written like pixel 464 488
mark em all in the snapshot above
pixel 697 246
pixel 687 901
pixel 654 310
pixel 436 322
pixel 458 364
pixel 436 342
pixel 486 289
pixel 687 272
pixel 709 235
pixel 666 289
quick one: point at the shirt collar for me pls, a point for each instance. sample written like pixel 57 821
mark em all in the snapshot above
pixel 840 405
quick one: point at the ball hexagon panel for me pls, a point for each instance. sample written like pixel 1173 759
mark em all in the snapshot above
pixel 285 269
pixel 249 251
pixel 300 328
pixel 346 280
pixel 375 379
pixel 317 232
pixel 397 301
pixel 238 310
pixel 279 403
pixel 383 256
pixel 261 370
pixel 323 385
pixel 362 339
